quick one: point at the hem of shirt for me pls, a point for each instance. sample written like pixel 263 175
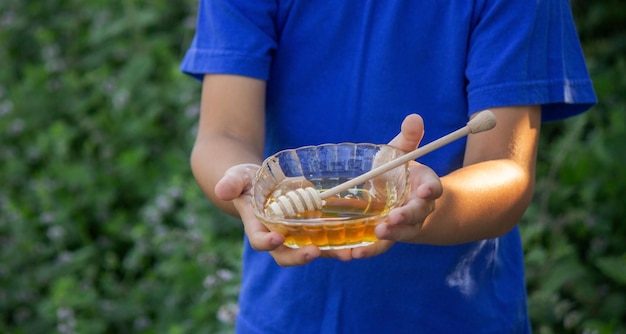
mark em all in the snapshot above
pixel 559 99
pixel 196 63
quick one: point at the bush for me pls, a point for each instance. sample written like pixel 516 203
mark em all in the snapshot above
pixel 102 227
pixel 573 233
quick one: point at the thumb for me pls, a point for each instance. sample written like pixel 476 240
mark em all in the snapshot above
pixel 236 181
pixel 411 133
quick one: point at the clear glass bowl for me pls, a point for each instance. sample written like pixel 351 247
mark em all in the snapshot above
pixel 348 219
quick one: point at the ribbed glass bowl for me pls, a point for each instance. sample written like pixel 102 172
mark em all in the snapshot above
pixel 347 219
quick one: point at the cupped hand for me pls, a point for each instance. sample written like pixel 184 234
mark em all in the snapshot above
pixel 404 223
pixel 236 186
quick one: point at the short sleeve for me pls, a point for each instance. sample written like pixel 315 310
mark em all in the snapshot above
pixel 527 53
pixel 232 37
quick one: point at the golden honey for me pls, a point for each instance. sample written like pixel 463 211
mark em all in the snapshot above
pixel 346 220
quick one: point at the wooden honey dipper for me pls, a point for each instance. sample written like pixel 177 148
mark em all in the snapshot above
pixel 303 199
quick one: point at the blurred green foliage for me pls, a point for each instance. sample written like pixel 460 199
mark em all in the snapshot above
pixel 103 229
pixel 574 237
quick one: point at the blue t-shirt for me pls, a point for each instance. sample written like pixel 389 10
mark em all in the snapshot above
pixel 348 70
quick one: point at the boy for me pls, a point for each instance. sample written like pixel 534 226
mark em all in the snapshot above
pixel 283 74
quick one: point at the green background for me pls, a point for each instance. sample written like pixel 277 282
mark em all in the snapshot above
pixel 103 229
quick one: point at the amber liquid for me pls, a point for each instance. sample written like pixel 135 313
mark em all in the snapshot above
pixel 347 220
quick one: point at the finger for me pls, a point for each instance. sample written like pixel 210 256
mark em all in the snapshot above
pixel 404 223
pixel 288 257
pixel 259 236
pixel 425 183
pixel 261 239
pixel 426 187
pixel 397 233
pixel 414 212
pixel 236 180
pixel 372 250
pixel 411 133
pixel 339 254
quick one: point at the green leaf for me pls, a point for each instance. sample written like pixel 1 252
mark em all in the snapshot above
pixel 614 267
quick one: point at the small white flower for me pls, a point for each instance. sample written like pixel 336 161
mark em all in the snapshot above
pixel 228 313
pixel 55 232
pixel 164 203
pixel 6 106
pixel 209 281
pixel 225 275
pixel 17 126
pixel 65 313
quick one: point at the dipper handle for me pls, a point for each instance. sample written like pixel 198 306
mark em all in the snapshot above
pixel 483 121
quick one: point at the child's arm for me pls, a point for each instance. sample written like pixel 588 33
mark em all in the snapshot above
pixel 488 196
pixel 227 152
pixel 230 131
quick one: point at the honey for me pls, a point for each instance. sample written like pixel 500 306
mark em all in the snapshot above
pixel 346 220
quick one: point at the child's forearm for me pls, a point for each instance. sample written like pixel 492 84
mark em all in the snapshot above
pixel 230 130
pixel 489 195
pixel 480 201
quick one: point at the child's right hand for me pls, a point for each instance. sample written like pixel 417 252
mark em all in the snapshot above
pixel 235 186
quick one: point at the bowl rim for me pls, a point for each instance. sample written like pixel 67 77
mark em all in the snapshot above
pixel 333 220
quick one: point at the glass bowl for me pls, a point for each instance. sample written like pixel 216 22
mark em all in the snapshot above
pixel 347 219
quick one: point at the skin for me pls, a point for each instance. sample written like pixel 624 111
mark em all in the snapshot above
pixel 485 198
